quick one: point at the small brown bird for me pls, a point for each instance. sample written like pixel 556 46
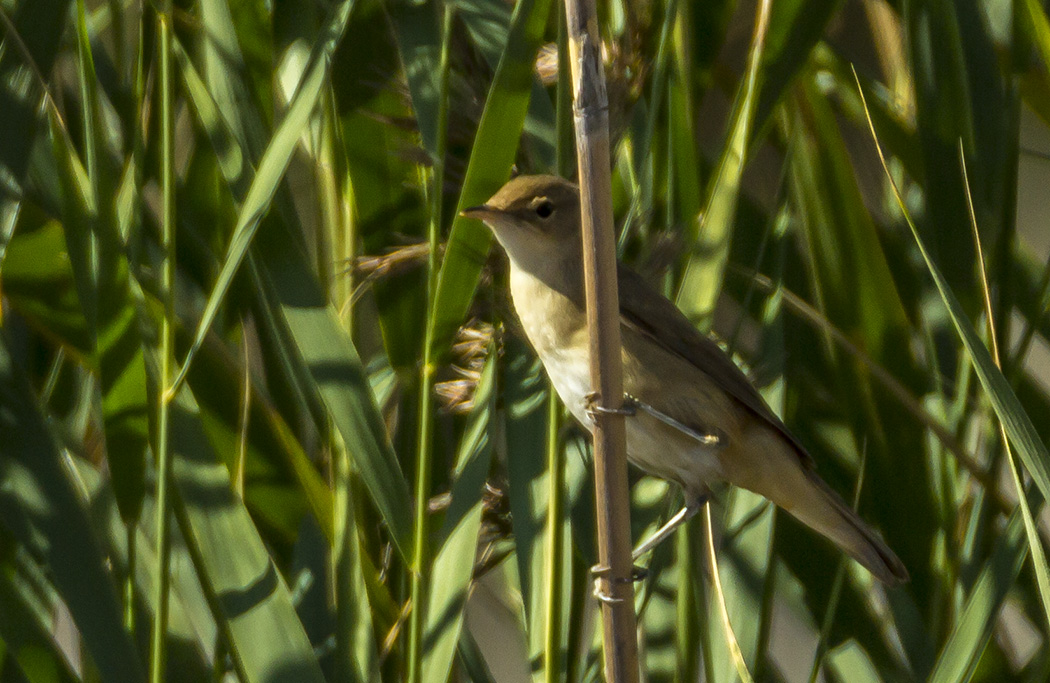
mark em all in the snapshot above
pixel 697 419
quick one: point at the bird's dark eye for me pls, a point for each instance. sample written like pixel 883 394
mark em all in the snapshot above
pixel 544 209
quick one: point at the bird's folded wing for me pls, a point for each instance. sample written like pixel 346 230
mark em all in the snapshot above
pixel 646 311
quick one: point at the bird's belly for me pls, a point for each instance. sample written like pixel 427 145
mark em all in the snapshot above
pixel 570 374
pixel 653 446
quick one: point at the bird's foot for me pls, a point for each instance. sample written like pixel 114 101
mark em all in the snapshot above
pixel 599 571
pixel 593 406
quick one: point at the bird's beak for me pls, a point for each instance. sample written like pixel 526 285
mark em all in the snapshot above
pixel 480 212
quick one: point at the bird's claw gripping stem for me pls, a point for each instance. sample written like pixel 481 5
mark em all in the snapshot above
pixel 593 407
pixel 600 570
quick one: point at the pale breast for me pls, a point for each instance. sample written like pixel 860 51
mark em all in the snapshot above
pixel 560 341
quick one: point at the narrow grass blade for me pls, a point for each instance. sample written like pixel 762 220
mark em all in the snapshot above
pixel 1035 543
pixel 959 656
pixel 1018 426
pixel 744 570
pixel 732 644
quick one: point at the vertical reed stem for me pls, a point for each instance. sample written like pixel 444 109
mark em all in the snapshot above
pixel 591 114
pixel 420 554
pixel 167 345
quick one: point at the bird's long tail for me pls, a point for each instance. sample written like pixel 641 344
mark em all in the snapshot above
pixel 769 465
pixel 826 513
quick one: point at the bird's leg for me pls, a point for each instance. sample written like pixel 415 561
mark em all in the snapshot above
pixel 707 437
pixel 687 512
pixel 631 406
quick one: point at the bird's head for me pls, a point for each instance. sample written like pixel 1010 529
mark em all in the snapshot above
pixel 536 219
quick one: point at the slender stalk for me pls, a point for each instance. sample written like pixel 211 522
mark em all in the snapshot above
pixel 1035 545
pixel 563 132
pixel 687 609
pixel 836 585
pixel 87 95
pixel 720 599
pixel 555 543
pixel 591 114
pixel 167 344
pixel 426 425
pixel 246 415
pixel 555 456
pixel 129 583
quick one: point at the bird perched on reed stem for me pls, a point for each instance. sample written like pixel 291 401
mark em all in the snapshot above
pixel 696 417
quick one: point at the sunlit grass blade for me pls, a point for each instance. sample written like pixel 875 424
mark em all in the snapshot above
pixel 704 272
pixel 492 155
pixel 270 172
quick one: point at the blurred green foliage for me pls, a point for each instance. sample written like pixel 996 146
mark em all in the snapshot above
pixel 322 151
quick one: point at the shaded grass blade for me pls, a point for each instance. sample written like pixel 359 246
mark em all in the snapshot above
pixel 326 354
pixel 40 506
pixel 453 565
pixel 248 595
